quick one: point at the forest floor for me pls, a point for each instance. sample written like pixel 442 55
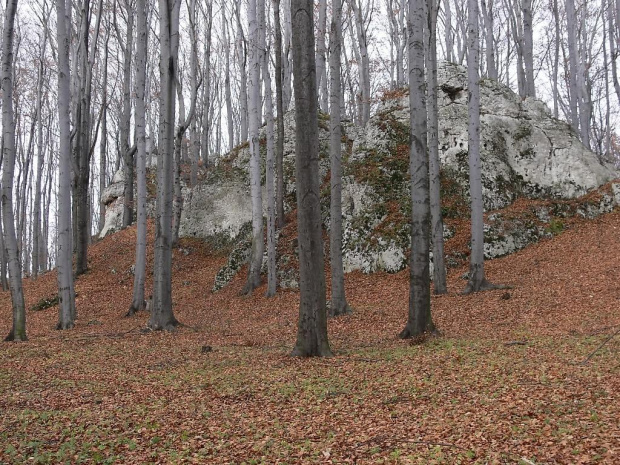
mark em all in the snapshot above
pixel 505 383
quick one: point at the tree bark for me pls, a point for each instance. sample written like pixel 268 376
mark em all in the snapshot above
pixel 439 265
pixel 477 280
pixel 312 324
pixel 162 316
pixel 66 292
pixel 528 48
pixel 338 303
pixel 125 123
pixel 321 60
pixel 258 246
pixel 280 121
pixel 18 331
pixel 138 301
pixel 419 319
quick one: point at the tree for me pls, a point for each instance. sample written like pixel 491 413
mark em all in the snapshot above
pixel 338 304
pixel 477 280
pixel 258 246
pixel 138 303
pixel 66 292
pixel 280 121
pixel 162 316
pixel 270 167
pixel 439 265
pixel 18 331
pixel 419 320
pixel 312 323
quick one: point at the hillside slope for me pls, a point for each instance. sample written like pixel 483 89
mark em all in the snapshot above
pixel 108 391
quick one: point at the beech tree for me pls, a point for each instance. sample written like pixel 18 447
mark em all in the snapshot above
pixel 138 302
pixel 258 239
pixel 439 265
pixel 162 316
pixel 66 291
pixel 338 304
pixel 18 331
pixel 312 324
pixel 280 120
pixel 419 320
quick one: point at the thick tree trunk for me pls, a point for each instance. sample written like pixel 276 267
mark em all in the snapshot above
pixel 338 304
pixel 613 36
pixel 162 316
pixel 18 331
pixel 138 301
pixel 280 121
pixel 312 325
pixel 439 265
pixel 364 63
pixel 419 320
pixel 66 292
pixel 258 246
pixel 573 68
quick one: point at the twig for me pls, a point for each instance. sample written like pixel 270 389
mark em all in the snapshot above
pixel 432 443
pixel 600 347
pixel 529 462
pixel 515 343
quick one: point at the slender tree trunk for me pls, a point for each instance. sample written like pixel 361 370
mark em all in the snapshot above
pixel 18 331
pixel 66 292
pixel 256 257
pixel 477 280
pixel 419 320
pixel 103 143
pixel 36 227
pixel 573 68
pixel 162 316
pixel 439 265
pixel 338 304
pixel 280 121
pixel 312 325
pixel 556 58
pixel 128 152
pixel 528 48
pixel 448 30
pixel 270 176
pixel 613 36
pixel 229 107
pixel 364 64
pixel 321 61
pixel 488 14
pixel 243 90
pixel 138 301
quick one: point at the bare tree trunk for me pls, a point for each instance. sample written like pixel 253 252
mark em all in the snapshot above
pixel 312 325
pixel 477 280
pixel 419 320
pixel 364 64
pixel 613 36
pixel 227 73
pixel 103 143
pixel 439 265
pixel 138 301
pixel 321 61
pixel 556 58
pixel 488 14
pixel 243 92
pixel 256 257
pixel 125 123
pixel 18 331
pixel 162 316
pixel 269 172
pixel 528 48
pixel 36 227
pixel 66 292
pixel 280 121
pixel 572 56
pixel 338 304
pixel 448 30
